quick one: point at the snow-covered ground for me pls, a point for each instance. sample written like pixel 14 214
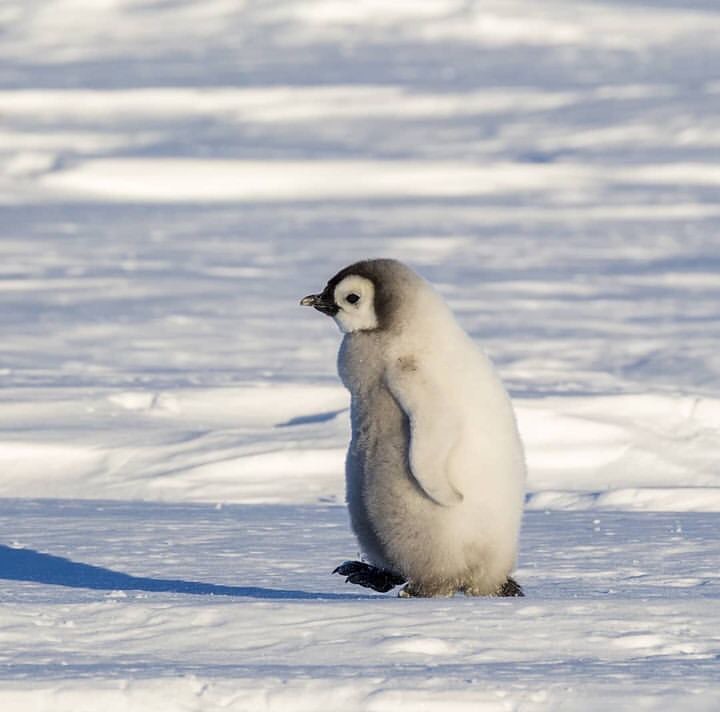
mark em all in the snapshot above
pixel 194 607
pixel 175 175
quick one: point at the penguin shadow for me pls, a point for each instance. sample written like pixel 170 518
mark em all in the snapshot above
pixel 38 567
pixel 312 418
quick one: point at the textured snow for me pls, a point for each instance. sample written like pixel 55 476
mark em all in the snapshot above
pixel 175 175
pixel 171 606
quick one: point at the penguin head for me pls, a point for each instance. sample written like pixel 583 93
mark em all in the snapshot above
pixel 364 296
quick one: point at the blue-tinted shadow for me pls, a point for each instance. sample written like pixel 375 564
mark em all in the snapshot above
pixel 313 418
pixel 35 566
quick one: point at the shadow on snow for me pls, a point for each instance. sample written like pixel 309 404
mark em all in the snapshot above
pixel 35 566
pixel 314 418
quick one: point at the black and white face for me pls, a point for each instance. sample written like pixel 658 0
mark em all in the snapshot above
pixel 355 299
pixel 367 296
pixel 350 302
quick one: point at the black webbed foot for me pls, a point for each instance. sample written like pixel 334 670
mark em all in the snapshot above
pixel 510 588
pixel 362 574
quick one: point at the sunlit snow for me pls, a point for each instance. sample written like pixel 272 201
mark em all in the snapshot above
pixel 175 176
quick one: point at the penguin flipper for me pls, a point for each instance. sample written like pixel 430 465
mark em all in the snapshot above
pixel 433 431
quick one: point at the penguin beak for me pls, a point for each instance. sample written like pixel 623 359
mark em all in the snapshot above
pixel 321 303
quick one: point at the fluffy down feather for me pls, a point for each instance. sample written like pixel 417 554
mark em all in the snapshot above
pixel 435 469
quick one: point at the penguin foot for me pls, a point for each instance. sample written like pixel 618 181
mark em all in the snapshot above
pixel 416 590
pixel 362 574
pixel 510 588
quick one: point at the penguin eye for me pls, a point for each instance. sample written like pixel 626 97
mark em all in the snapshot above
pixel 352 298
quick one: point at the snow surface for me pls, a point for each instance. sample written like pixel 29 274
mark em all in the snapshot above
pixel 175 175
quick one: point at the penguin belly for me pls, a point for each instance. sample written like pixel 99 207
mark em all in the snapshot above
pixel 378 484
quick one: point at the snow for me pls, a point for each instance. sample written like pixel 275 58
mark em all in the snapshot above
pixel 175 176
pixel 199 607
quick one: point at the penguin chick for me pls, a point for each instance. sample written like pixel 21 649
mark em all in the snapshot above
pixel 435 471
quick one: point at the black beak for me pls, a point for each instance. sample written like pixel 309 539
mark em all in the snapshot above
pixel 321 302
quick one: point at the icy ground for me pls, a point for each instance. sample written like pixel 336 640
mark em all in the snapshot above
pixel 174 176
pixel 158 606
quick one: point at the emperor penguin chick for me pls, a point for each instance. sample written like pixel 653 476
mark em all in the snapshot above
pixel 435 472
